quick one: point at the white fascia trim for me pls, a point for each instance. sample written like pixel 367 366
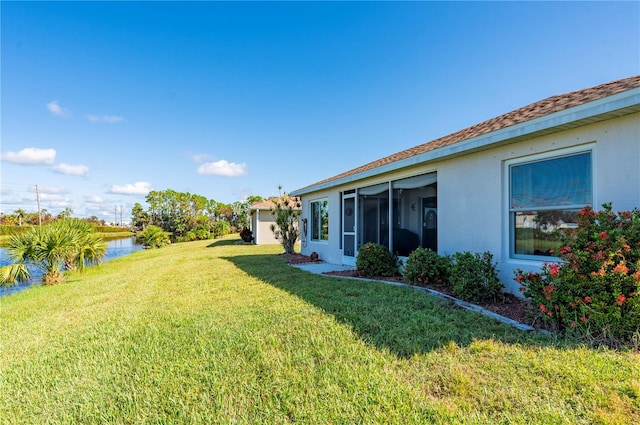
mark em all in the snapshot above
pixel 618 101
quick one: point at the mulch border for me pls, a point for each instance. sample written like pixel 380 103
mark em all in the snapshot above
pixel 439 292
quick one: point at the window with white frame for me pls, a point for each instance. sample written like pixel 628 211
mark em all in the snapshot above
pixel 544 198
pixel 320 220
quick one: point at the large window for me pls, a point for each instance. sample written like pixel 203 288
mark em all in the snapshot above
pixel 545 197
pixel 320 220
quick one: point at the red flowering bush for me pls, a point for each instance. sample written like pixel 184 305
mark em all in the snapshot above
pixel 595 290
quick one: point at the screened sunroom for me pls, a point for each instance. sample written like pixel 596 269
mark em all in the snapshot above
pixel 400 214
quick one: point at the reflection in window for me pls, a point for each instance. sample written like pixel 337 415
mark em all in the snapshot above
pixel 415 212
pixel 544 200
pixel 320 220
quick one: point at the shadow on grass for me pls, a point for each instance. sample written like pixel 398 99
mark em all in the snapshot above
pixel 225 242
pixel 400 319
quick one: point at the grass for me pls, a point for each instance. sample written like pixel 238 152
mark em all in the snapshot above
pixel 224 333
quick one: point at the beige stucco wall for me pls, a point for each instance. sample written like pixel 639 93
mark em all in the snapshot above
pixel 261 221
pixel 473 189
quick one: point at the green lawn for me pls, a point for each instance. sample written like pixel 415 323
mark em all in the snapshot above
pixel 206 332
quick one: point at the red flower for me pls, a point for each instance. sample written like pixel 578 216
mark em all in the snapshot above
pixel 554 270
pixel 583 319
pixel 587 299
pixel 603 235
pixel 565 250
pixel 621 299
pixel 543 308
pixel 621 268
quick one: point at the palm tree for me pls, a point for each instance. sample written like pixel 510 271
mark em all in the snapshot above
pixel 153 237
pixel 50 248
pixel 20 213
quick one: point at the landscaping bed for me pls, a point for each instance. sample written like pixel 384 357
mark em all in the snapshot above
pixel 508 305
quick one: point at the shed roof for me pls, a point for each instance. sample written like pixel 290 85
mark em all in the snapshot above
pixel 270 203
pixel 543 108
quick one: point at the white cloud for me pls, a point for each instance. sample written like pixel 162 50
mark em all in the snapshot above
pixel 93 199
pixel 200 158
pixel 52 190
pixel 74 170
pixel 137 188
pixel 223 168
pixel 111 119
pixel 55 108
pixel 30 156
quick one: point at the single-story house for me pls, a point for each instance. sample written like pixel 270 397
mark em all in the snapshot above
pixel 504 185
pixel 262 219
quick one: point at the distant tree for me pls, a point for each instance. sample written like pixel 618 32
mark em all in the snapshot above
pixel 21 214
pixel 66 213
pixel 253 199
pixel 94 220
pixel 139 217
pixel 285 228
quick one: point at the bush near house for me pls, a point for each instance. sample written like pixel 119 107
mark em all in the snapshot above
pixel 246 235
pixel 595 290
pixel 426 267
pixel 376 260
pixel 474 277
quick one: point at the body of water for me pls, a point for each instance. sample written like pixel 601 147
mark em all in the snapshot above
pixel 115 248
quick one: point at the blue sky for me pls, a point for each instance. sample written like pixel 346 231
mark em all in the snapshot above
pixel 102 102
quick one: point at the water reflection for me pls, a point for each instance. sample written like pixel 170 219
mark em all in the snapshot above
pixel 115 248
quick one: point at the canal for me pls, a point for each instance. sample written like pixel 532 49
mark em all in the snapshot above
pixel 115 248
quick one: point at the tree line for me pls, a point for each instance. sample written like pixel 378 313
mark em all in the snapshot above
pixel 190 216
pixel 21 217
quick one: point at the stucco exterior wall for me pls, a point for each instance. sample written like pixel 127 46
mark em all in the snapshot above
pixel 473 190
pixel 261 221
pixel 328 251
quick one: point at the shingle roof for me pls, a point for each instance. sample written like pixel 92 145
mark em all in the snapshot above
pixel 535 110
pixel 270 203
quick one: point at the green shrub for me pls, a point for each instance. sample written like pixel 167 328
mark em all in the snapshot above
pixel 221 228
pixel 246 235
pixel 376 260
pixel 13 230
pixel 197 234
pixel 110 229
pixel 153 237
pixel 595 290
pixel 426 267
pixel 474 277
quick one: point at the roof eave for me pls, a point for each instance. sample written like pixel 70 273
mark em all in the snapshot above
pixel 616 105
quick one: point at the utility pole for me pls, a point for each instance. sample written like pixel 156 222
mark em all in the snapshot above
pixel 115 215
pixel 120 215
pixel 39 212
